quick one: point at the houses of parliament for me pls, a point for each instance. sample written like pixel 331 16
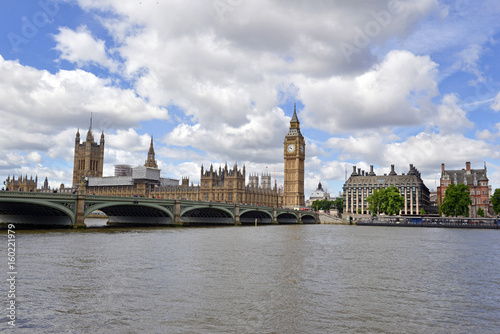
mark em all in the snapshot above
pixel 223 184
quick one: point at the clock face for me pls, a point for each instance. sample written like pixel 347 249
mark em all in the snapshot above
pixel 290 148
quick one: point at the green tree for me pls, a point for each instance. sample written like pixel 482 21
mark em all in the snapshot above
pixel 374 201
pixel 339 204
pixel 495 201
pixel 456 201
pixel 422 211
pixel 393 202
pixel 322 204
pixel 480 212
pixel 388 201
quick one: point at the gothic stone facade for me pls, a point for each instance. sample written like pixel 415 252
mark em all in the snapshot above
pixel 89 157
pixel 224 185
pixel 294 155
pixel 361 185
pixel 21 184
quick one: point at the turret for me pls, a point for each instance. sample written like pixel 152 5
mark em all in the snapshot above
pixel 151 161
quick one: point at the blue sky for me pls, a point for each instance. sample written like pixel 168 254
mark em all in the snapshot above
pixel 375 82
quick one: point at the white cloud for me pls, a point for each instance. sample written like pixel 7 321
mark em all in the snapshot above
pixel 81 48
pixel 225 73
pixel 218 67
pixel 34 157
pixel 485 135
pixel 450 117
pixel 129 140
pixel 396 92
pixel 63 100
pixel 427 151
pixel 258 140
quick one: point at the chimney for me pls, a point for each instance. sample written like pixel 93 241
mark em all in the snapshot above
pixel 392 171
pixel 359 171
pixel 371 171
pixel 354 171
pixel 467 166
pixel 442 168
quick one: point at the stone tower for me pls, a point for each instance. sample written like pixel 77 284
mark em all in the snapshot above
pixel 89 157
pixel 266 180
pixel 253 180
pixel 294 154
pixel 151 162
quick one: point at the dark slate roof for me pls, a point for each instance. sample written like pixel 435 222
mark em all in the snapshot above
pixel 412 178
pixel 464 176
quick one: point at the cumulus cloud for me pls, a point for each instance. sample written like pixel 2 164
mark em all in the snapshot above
pixel 485 135
pixel 425 150
pixel 258 140
pixel 66 99
pixel 82 48
pixel 450 117
pixel 224 70
pixel 217 66
pixel 396 92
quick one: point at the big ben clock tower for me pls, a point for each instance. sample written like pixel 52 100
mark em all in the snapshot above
pixel 294 153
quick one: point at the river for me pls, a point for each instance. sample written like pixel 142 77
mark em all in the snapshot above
pixel 265 279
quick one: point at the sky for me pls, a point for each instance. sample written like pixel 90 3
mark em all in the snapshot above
pixel 376 82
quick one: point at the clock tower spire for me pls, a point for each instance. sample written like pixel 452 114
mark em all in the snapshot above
pixel 294 155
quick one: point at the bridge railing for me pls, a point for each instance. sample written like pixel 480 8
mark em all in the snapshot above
pixel 36 194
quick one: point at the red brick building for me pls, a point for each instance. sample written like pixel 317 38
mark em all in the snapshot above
pixel 475 179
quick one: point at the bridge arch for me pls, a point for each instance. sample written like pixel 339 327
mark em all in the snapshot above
pixel 250 215
pixel 206 214
pixel 39 212
pixel 287 218
pixel 308 219
pixel 133 213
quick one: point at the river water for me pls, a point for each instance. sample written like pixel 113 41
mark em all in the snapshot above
pixel 265 279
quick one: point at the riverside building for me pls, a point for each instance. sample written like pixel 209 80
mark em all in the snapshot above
pixel 475 179
pixel 361 185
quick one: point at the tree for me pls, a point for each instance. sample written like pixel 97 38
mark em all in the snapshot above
pixel 480 212
pixel 322 204
pixel 422 211
pixel 387 200
pixel 393 202
pixel 456 201
pixel 374 201
pixel 495 201
pixel 339 204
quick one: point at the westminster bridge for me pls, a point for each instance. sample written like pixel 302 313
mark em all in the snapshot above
pixel 70 210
